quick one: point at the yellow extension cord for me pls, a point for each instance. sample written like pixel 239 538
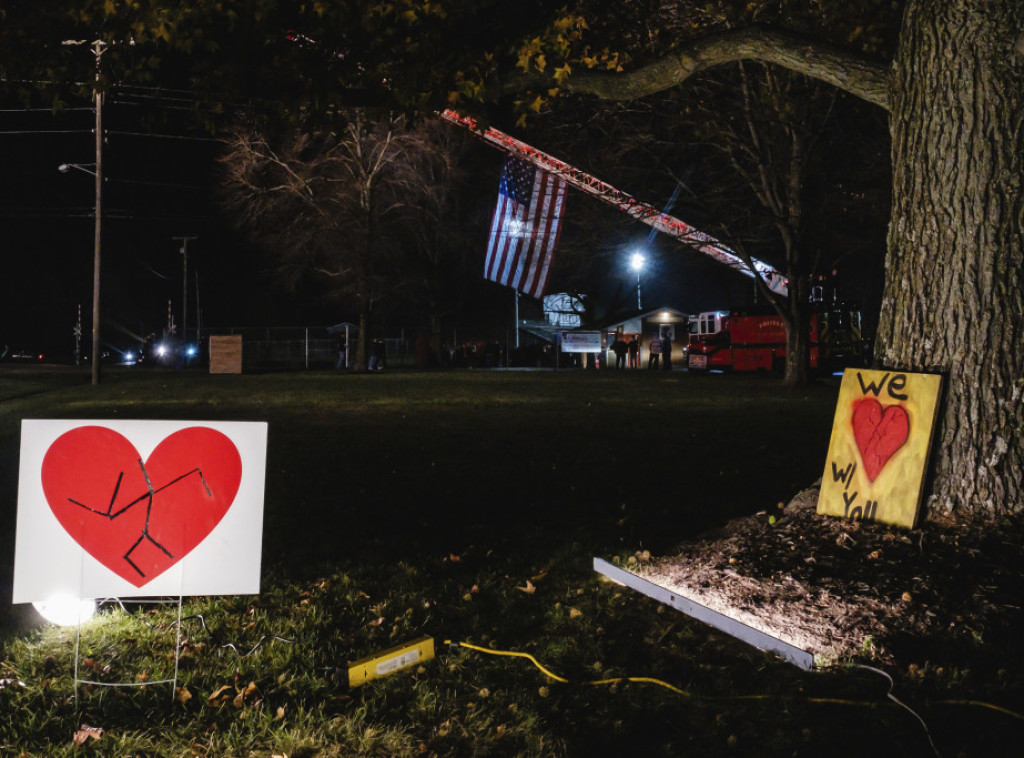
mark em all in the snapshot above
pixel 677 690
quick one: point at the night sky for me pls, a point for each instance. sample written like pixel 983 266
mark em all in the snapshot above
pixel 159 180
pixel 160 173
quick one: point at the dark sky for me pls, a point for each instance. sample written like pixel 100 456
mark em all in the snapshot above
pixel 159 176
pixel 158 180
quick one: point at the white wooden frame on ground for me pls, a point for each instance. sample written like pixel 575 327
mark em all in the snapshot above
pixel 730 626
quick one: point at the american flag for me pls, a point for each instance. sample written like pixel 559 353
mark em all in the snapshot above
pixel 525 227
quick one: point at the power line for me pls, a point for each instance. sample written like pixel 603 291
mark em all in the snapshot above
pixel 44 110
pixel 164 136
pixel 153 88
pixel 47 131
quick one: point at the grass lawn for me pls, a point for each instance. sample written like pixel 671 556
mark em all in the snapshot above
pixel 463 505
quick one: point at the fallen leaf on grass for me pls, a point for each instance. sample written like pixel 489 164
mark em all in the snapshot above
pixel 182 695
pixel 87 733
pixel 220 696
pixel 377 621
pixel 529 589
pixel 244 694
pixel 279 713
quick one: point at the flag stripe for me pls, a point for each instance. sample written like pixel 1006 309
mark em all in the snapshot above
pixel 497 249
pixel 547 231
pixel 545 269
pixel 525 228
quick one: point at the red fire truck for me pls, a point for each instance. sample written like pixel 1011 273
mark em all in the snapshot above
pixel 742 340
pixel 754 339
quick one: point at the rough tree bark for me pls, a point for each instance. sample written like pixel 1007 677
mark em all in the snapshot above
pixel 953 299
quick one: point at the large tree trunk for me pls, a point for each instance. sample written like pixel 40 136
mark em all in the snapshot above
pixel 953 298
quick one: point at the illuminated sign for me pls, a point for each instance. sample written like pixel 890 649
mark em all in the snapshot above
pixel 139 508
pixel 881 440
pixel 581 342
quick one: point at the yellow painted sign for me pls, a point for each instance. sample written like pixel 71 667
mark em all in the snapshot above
pixel 881 441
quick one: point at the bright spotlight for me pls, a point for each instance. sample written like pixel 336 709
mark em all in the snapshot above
pixel 129 357
pixel 636 262
pixel 190 351
pixel 161 350
pixel 64 610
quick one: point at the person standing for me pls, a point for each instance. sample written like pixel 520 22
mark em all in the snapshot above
pixel 619 348
pixel 653 352
pixel 666 351
pixel 633 348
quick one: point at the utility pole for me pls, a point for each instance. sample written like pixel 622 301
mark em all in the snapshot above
pixel 184 287
pixel 98 48
pixel 77 331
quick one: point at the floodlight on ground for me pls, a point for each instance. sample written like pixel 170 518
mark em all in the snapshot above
pixel 64 610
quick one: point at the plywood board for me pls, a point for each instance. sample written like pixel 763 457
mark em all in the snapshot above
pixel 880 445
pixel 226 354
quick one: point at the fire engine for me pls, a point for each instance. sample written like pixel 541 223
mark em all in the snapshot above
pixel 754 339
pixel 743 340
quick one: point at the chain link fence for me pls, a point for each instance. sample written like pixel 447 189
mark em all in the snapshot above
pixel 304 347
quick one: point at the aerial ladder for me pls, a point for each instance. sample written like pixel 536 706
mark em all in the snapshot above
pixel 639 210
pixel 648 214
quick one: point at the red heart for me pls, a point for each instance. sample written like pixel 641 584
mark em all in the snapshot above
pixel 879 432
pixel 140 518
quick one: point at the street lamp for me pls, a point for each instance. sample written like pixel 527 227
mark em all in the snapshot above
pixel 636 262
pixel 83 167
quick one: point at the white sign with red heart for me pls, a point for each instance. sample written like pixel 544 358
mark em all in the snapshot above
pixel 139 508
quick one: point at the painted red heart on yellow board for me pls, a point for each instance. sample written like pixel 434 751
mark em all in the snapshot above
pixel 138 518
pixel 879 432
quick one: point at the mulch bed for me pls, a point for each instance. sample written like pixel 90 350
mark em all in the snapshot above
pixel 945 593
